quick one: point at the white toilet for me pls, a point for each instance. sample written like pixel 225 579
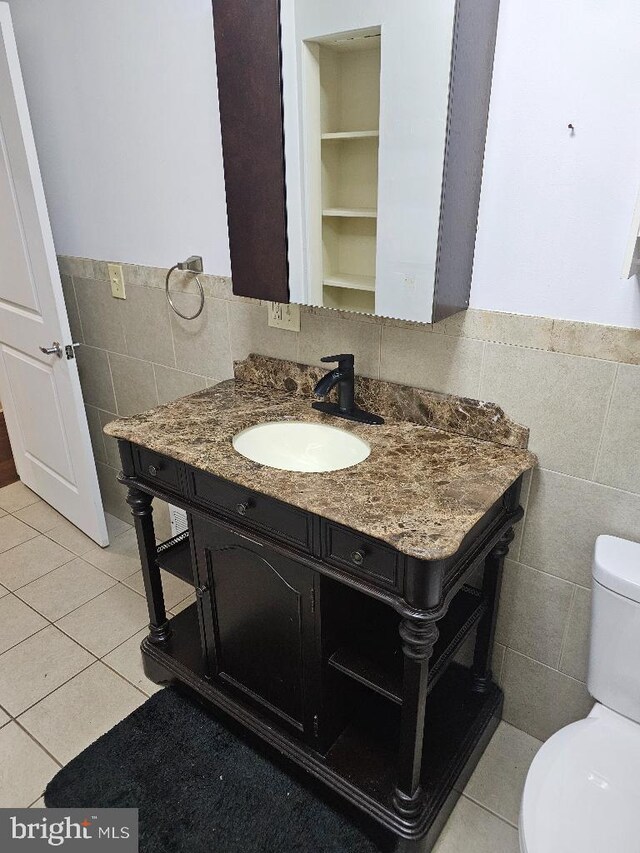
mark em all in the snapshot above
pixel 582 793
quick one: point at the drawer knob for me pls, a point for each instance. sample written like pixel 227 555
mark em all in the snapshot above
pixel 153 470
pixel 358 557
pixel 242 508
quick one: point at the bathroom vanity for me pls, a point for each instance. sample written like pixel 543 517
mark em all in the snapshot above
pixel 346 618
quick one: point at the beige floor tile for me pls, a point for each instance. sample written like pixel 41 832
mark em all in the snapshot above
pixel 36 667
pixel 127 660
pixel 120 559
pixel 25 768
pixel 182 605
pixel 40 516
pixel 16 496
pixel 17 622
pixel 498 780
pixel 3 591
pixel 116 526
pixel 31 560
pixel 71 538
pixel 64 589
pixel 76 714
pixel 13 532
pixel 107 621
pixel 472 829
pixel 2 512
pixel 4 718
pixel 175 590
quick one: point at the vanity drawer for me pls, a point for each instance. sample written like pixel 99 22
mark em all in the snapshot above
pixel 263 513
pixel 157 468
pixel 360 555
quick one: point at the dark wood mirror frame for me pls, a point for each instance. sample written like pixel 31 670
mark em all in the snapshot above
pixel 247 39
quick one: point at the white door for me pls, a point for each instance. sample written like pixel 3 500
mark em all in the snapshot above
pixel 40 392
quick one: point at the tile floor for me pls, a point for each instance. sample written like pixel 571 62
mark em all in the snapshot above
pixel 72 616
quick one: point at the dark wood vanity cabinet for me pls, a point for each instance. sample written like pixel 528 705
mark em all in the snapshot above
pixel 258 611
pixel 367 668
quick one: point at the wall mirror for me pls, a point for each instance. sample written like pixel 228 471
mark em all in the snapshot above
pixel 353 137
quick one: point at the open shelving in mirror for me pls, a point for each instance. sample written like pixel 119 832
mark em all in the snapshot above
pixel 348 80
pixel 351 134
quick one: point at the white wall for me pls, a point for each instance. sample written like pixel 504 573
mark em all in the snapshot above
pixel 122 95
pixel 556 210
pixel 123 102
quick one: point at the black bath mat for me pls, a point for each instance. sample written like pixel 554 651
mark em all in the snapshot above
pixel 200 788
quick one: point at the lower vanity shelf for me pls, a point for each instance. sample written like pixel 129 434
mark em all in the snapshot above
pixel 374 657
pixel 361 763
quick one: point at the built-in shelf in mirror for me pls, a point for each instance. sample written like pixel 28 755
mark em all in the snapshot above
pixel 348 76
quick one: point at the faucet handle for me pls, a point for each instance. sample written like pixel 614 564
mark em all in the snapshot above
pixel 345 361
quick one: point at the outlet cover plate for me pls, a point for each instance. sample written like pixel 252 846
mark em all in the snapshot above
pixel 284 316
pixel 116 279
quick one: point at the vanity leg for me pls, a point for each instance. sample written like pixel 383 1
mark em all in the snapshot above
pixel 140 503
pixel 418 640
pixel 491 586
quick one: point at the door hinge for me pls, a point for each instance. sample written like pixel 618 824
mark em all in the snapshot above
pixel 313 599
pixel 316 725
pixel 69 351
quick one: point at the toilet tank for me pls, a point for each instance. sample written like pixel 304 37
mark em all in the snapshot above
pixel 614 652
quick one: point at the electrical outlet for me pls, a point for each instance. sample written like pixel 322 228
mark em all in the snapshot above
pixel 117 281
pixel 282 316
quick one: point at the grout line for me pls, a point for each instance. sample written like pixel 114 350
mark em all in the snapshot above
pixel 88 601
pixel 44 575
pixel 605 421
pixel 173 340
pixel 77 304
pixel 229 334
pixel 482 364
pixel 523 520
pixel 546 666
pixel 102 435
pixel 487 809
pixel 62 684
pixel 586 480
pixel 36 741
pixel 155 379
pixel 15 645
pixel 565 633
pixel 113 387
pixel 124 677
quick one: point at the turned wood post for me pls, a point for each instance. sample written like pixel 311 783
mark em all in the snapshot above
pixel 491 586
pixel 418 640
pixel 140 503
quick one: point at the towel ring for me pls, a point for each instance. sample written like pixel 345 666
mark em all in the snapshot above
pixel 194 266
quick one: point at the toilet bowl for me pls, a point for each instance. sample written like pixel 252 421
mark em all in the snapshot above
pixel 582 793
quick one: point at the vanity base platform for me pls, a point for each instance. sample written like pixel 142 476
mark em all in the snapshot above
pixel 360 765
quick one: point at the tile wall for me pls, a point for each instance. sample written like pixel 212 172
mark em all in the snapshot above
pixel 577 386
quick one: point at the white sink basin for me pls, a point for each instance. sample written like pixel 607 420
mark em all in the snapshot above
pixel 301 446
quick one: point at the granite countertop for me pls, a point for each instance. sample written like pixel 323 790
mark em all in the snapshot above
pixel 422 488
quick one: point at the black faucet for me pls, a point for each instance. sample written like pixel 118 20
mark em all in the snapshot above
pixel 344 377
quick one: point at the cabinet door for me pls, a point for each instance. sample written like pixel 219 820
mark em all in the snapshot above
pixel 259 620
